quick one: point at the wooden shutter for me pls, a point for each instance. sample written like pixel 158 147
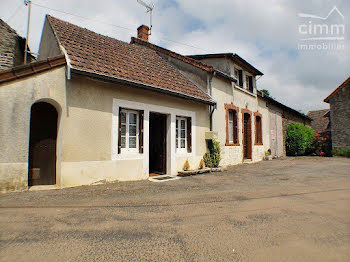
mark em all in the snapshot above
pixel 240 78
pixel 141 116
pixel 120 131
pixel 227 134
pixel 189 135
pixel 251 83
pixel 235 128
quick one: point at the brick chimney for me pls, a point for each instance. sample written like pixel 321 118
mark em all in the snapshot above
pixel 143 32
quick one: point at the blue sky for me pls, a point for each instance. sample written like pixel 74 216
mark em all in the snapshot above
pixel 265 33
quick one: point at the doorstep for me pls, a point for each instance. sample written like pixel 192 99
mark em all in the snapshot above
pixel 43 187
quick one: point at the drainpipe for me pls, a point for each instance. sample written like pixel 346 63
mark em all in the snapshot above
pixel 211 108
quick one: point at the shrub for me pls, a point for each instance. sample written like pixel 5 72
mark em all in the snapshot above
pixel 342 152
pixel 299 139
pixel 213 158
pixel 201 164
pixel 186 166
pixel 322 144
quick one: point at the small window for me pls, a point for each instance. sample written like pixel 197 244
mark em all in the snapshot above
pixel 184 134
pixel 249 83
pixel 129 131
pixel 232 128
pixel 239 76
pixel 181 134
pixel 258 130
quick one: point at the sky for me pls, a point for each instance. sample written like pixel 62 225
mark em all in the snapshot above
pixel 267 34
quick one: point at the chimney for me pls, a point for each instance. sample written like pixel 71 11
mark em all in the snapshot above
pixel 143 32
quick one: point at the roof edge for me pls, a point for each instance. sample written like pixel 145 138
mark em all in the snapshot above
pixel 140 85
pixel 31 68
pixel 284 106
pixel 337 90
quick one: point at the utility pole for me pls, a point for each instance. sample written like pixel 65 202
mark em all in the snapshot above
pixel 29 4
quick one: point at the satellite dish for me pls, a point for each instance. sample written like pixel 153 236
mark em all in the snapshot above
pixel 149 9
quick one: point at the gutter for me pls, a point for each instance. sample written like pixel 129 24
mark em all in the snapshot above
pixel 139 85
pixel 69 66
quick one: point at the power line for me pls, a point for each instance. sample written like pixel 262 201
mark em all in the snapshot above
pixel 113 25
pixel 14 13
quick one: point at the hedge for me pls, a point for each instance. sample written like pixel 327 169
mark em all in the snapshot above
pixel 299 139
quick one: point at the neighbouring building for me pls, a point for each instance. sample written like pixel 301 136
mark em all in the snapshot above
pixel 11 47
pixel 320 120
pixel 339 101
pixel 93 108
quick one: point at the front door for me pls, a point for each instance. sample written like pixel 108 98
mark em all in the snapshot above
pixel 157 143
pixel 42 145
pixel 247 139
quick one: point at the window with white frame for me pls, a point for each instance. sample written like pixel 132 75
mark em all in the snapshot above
pixel 129 130
pixel 181 134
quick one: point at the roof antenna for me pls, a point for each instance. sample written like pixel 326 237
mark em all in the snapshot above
pixel 149 10
pixel 29 4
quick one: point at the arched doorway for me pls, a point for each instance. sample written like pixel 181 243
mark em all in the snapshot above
pixel 247 136
pixel 42 144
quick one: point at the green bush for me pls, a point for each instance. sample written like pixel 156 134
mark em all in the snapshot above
pixel 342 152
pixel 299 139
pixel 213 158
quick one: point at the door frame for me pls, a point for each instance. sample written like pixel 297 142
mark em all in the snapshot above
pixel 59 111
pixel 246 111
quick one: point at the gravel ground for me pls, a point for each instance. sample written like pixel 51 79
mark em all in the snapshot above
pixel 297 209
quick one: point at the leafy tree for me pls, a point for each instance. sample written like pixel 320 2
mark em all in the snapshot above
pixel 265 92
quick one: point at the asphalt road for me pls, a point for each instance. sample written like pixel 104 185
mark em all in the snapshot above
pixel 280 210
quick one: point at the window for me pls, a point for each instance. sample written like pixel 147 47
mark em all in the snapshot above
pixel 249 83
pixel 258 130
pixel 231 125
pixel 183 134
pixel 130 131
pixel 239 76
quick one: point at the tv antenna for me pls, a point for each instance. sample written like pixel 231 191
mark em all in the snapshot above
pixel 149 9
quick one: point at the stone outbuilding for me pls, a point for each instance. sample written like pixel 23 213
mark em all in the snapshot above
pixel 320 120
pixel 339 101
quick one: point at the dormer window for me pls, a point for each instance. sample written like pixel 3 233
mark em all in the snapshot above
pixel 239 76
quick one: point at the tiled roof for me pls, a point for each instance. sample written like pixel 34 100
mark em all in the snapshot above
pixel 346 83
pixel 319 121
pixel 31 68
pixel 102 55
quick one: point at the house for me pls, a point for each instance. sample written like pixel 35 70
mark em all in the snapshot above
pixel 320 120
pixel 93 108
pixel 11 47
pixel 339 101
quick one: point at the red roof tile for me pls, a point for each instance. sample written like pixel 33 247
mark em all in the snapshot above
pixel 95 53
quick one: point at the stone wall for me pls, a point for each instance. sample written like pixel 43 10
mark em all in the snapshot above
pixel 340 118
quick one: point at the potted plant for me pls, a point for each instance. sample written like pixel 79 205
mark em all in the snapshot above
pixel 268 155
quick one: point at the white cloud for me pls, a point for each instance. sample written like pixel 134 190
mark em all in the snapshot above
pixel 265 33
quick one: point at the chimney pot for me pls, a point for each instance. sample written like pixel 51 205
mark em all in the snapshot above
pixel 143 32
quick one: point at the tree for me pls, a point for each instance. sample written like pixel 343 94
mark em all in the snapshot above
pixel 265 92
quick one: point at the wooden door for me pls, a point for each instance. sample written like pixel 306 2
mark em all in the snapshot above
pixel 42 145
pixel 157 143
pixel 247 137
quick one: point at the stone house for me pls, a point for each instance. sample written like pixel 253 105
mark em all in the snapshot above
pixel 11 47
pixel 94 108
pixel 339 101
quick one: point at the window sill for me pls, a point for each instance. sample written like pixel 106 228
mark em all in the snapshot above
pixel 245 91
pixel 228 144
pixel 259 144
